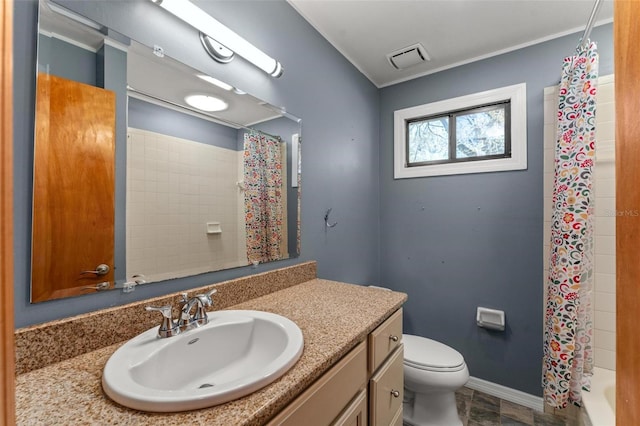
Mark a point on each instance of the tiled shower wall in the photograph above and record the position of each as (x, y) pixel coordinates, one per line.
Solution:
(170, 202)
(605, 214)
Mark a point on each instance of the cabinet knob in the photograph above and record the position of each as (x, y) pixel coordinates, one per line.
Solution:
(395, 393)
(393, 338)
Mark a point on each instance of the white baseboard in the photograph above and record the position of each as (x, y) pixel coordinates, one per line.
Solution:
(508, 394)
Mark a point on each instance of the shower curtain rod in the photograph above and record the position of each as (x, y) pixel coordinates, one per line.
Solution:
(592, 19)
(211, 117)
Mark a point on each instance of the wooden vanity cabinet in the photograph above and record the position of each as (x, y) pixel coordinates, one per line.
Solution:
(384, 340)
(332, 394)
(364, 388)
(386, 383)
(386, 391)
(356, 412)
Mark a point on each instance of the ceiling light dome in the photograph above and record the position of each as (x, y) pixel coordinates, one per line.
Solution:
(206, 103)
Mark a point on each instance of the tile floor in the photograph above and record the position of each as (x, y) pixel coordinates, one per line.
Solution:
(480, 409)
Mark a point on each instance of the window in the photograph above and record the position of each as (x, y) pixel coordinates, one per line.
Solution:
(483, 132)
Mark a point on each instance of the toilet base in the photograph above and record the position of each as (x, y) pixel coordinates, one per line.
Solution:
(431, 409)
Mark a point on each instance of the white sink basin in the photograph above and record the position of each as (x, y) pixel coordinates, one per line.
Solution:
(235, 354)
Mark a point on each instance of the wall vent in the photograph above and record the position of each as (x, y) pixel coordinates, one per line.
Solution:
(408, 56)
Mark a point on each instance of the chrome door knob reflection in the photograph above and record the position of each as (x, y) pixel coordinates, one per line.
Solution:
(101, 269)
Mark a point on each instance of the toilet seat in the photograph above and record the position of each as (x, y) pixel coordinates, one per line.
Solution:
(429, 355)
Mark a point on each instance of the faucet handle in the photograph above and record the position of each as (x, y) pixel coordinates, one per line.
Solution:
(206, 297)
(205, 300)
(167, 327)
(183, 299)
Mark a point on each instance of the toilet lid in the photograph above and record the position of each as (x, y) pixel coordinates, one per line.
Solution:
(427, 354)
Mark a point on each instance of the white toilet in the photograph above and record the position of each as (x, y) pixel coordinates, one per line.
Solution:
(433, 372)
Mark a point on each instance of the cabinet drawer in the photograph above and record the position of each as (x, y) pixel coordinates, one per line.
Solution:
(325, 399)
(384, 339)
(386, 389)
(356, 413)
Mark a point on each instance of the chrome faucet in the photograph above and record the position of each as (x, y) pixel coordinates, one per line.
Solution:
(200, 301)
(186, 321)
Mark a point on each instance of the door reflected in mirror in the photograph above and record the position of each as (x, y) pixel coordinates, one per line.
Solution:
(191, 191)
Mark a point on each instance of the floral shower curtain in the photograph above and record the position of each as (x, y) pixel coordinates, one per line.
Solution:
(263, 197)
(568, 357)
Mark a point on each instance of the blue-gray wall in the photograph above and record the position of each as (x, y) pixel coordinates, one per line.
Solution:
(147, 116)
(339, 108)
(66, 60)
(111, 73)
(457, 242)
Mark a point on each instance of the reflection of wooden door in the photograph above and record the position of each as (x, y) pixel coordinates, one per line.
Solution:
(627, 66)
(73, 194)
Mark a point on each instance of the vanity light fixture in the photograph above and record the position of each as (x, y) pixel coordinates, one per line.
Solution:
(206, 103)
(215, 82)
(203, 22)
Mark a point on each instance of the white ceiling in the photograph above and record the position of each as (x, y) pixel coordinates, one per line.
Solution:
(453, 32)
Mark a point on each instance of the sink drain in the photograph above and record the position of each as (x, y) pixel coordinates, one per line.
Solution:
(206, 385)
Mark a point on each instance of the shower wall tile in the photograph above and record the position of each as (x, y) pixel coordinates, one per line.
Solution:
(604, 339)
(605, 225)
(605, 264)
(605, 283)
(169, 204)
(605, 321)
(605, 188)
(550, 130)
(605, 215)
(606, 89)
(605, 358)
(605, 302)
(605, 244)
(605, 173)
(605, 130)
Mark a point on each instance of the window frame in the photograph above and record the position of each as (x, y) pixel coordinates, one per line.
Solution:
(515, 123)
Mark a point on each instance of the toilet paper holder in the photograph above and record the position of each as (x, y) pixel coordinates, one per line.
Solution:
(491, 319)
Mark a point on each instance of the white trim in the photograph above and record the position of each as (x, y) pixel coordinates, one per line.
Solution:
(73, 15)
(508, 394)
(178, 108)
(517, 94)
(116, 45)
(68, 40)
(295, 142)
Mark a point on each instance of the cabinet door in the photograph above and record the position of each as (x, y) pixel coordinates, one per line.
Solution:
(356, 413)
(384, 340)
(323, 401)
(386, 389)
(397, 420)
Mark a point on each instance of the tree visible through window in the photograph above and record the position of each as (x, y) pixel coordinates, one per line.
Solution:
(471, 134)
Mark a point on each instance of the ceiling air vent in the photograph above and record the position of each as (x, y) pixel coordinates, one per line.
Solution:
(408, 56)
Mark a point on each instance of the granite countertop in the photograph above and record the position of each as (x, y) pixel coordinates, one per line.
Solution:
(334, 317)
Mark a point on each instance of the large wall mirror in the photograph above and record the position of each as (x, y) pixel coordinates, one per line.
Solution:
(134, 181)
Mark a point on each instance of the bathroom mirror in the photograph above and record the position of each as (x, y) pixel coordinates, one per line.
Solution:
(133, 184)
